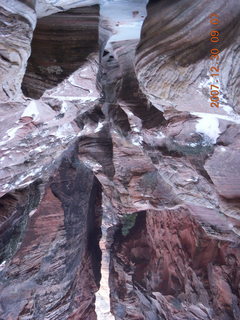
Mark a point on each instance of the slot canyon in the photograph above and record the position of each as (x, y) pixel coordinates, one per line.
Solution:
(119, 183)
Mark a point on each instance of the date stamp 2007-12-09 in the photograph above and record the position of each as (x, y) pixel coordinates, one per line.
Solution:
(214, 56)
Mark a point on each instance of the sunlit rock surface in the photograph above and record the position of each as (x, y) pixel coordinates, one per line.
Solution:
(47, 7)
(114, 130)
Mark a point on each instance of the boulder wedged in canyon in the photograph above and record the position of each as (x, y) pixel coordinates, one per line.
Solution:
(123, 139)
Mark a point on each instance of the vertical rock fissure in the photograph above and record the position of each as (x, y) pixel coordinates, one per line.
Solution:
(103, 303)
(94, 221)
(111, 78)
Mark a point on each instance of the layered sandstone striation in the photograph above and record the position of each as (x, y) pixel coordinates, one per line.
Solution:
(51, 242)
(61, 44)
(116, 132)
(172, 65)
(18, 20)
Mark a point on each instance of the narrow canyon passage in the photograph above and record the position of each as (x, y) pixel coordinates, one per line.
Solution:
(119, 184)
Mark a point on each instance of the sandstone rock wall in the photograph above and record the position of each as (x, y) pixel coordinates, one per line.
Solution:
(52, 242)
(120, 135)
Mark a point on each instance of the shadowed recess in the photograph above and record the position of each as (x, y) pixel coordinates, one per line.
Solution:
(61, 44)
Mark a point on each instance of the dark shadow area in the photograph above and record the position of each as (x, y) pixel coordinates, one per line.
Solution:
(14, 209)
(94, 222)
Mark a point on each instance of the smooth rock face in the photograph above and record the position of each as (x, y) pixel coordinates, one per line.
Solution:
(120, 135)
(226, 178)
(173, 56)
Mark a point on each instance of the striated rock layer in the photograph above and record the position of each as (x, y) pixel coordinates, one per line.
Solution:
(61, 44)
(18, 21)
(52, 240)
(173, 64)
(134, 126)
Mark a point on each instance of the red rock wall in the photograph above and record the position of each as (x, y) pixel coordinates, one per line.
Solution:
(167, 267)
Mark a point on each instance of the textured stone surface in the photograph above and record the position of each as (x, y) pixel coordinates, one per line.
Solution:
(132, 121)
(167, 267)
(173, 65)
(48, 7)
(18, 20)
(57, 247)
(30, 128)
(61, 44)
